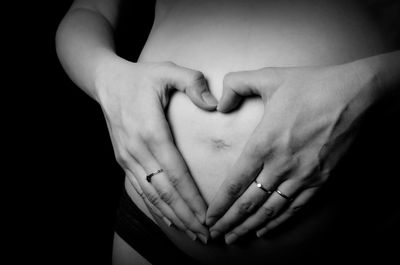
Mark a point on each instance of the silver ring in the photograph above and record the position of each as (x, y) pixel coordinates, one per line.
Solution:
(259, 185)
(149, 176)
(283, 195)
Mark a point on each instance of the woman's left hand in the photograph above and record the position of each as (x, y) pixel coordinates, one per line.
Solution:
(309, 121)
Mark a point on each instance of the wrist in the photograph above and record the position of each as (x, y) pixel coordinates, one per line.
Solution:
(103, 73)
(382, 71)
(369, 77)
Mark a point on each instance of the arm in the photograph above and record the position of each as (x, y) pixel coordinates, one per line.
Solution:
(133, 97)
(84, 41)
(385, 70)
(310, 118)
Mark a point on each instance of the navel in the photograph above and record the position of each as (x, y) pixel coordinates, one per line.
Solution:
(219, 144)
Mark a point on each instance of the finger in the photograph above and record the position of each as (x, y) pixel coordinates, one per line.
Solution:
(139, 191)
(237, 181)
(296, 206)
(258, 150)
(269, 178)
(193, 83)
(151, 196)
(162, 147)
(236, 85)
(242, 208)
(271, 208)
(167, 192)
(179, 176)
(158, 212)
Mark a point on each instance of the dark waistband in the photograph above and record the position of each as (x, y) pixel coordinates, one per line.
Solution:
(142, 234)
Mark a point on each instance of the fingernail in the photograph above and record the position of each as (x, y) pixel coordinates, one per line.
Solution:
(209, 98)
(167, 221)
(191, 235)
(261, 232)
(201, 218)
(215, 234)
(230, 238)
(203, 238)
(211, 221)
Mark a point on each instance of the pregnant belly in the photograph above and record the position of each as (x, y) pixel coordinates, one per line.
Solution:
(210, 142)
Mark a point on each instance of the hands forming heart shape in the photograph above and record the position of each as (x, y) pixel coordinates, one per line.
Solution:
(310, 119)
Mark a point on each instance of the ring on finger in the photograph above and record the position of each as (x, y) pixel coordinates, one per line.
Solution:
(283, 195)
(259, 185)
(149, 176)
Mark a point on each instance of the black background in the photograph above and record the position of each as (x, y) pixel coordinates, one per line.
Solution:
(64, 200)
(67, 182)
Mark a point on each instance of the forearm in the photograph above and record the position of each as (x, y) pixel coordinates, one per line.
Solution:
(84, 42)
(383, 71)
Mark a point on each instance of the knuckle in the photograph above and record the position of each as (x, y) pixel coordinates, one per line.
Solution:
(197, 75)
(324, 175)
(291, 141)
(168, 197)
(233, 190)
(196, 80)
(260, 152)
(284, 166)
(228, 79)
(267, 211)
(283, 144)
(122, 158)
(177, 176)
(246, 207)
(295, 143)
(132, 147)
(153, 199)
(286, 140)
(311, 177)
(119, 158)
(141, 194)
(175, 180)
(152, 133)
(295, 209)
(267, 143)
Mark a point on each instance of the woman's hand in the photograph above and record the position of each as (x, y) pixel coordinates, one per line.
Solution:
(133, 98)
(309, 121)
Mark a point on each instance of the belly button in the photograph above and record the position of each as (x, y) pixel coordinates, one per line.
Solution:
(219, 144)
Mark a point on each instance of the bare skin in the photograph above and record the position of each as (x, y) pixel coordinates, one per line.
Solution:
(133, 98)
(279, 51)
(292, 153)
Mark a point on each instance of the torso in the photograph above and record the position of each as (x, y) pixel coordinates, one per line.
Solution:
(216, 37)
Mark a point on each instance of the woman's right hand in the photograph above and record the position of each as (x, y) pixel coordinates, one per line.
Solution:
(133, 97)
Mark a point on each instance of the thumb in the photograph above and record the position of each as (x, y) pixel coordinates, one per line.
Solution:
(237, 85)
(193, 84)
(199, 93)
